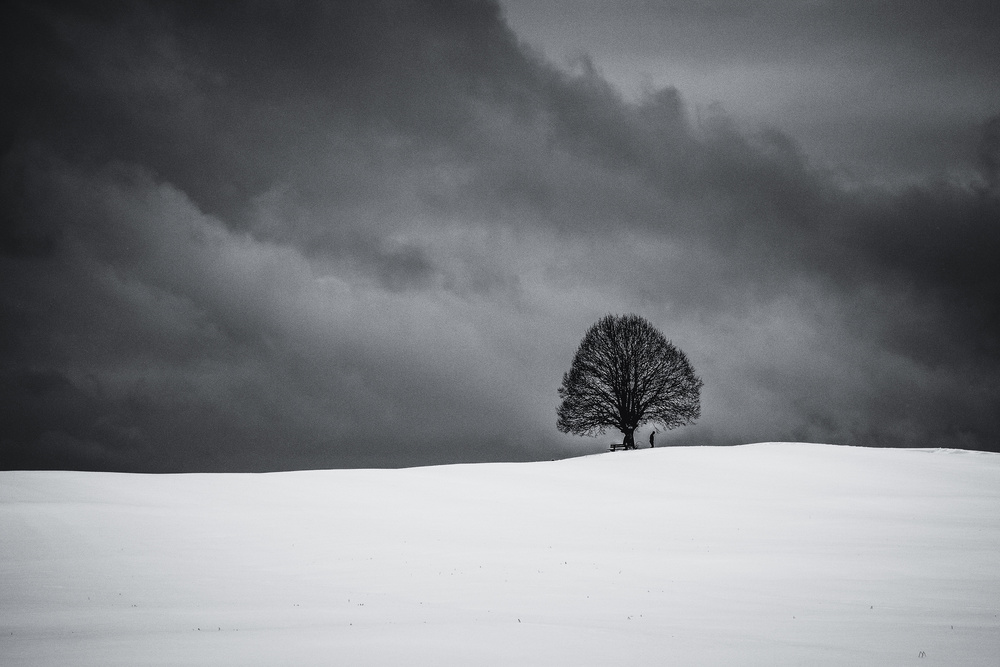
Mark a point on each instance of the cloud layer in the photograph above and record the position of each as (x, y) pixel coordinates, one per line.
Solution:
(339, 234)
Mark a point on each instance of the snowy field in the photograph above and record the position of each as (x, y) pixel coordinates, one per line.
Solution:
(769, 554)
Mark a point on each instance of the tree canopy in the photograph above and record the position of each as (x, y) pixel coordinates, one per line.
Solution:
(624, 374)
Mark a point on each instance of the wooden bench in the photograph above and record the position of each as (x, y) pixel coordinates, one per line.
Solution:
(617, 445)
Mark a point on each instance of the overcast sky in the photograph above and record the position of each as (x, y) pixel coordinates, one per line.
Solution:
(282, 235)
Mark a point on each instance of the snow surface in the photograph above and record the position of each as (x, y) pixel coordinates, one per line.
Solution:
(770, 554)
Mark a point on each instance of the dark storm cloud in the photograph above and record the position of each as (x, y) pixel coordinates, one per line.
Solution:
(193, 90)
(315, 234)
(835, 74)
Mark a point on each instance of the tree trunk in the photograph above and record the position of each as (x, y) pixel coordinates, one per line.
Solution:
(629, 440)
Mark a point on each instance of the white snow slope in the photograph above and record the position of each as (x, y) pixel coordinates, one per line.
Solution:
(769, 554)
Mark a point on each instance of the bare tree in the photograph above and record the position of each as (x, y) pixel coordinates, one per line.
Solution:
(625, 374)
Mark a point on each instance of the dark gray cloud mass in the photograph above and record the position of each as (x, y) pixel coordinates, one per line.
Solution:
(893, 87)
(279, 235)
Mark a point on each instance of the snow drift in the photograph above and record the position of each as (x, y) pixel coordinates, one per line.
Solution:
(768, 554)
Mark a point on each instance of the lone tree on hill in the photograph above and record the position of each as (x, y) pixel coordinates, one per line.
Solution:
(625, 374)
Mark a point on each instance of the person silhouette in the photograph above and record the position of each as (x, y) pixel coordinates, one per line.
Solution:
(651, 435)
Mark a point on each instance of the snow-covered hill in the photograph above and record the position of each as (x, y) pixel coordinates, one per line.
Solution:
(768, 554)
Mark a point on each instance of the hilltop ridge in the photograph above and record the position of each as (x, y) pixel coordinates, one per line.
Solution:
(776, 553)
